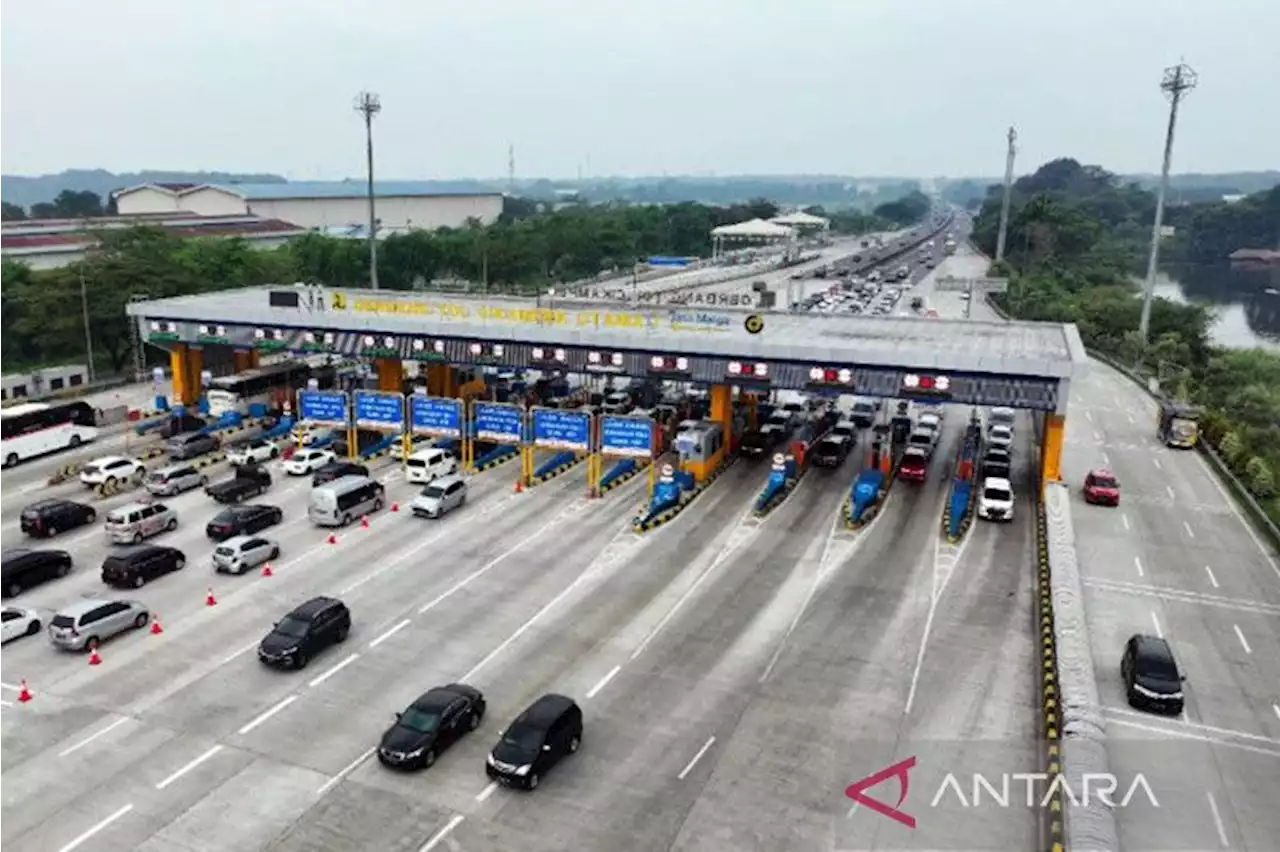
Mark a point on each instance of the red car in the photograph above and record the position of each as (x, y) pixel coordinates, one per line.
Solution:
(914, 465)
(1102, 488)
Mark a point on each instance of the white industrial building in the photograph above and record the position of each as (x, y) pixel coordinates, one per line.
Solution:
(401, 206)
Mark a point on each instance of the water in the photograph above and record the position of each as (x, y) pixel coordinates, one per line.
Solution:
(1246, 315)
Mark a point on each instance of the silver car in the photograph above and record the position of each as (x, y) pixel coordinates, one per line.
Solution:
(174, 479)
(440, 497)
(243, 552)
(87, 623)
(133, 522)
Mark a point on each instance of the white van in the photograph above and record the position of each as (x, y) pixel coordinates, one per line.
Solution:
(340, 502)
(426, 465)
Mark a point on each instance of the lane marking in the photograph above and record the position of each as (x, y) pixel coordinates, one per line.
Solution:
(84, 742)
(1130, 416)
(1188, 735)
(321, 678)
(1156, 621)
(1172, 494)
(345, 771)
(1244, 643)
(689, 767)
(1138, 564)
(267, 714)
(1212, 579)
(5, 703)
(1187, 526)
(591, 693)
(190, 766)
(484, 794)
(1276, 707)
(1217, 821)
(1183, 596)
(1106, 459)
(246, 649)
(1097, 436)
(12, 686)
(392, 632)
(1231, 504)
(481, 571)
(442, 833)
(1088, 415)
(1156, 461)
(75, 844)
(1199, 726)
(1125, 519)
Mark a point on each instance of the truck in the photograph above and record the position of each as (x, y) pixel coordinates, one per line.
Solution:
(949, 247)
(1179, 424)
(248, 480)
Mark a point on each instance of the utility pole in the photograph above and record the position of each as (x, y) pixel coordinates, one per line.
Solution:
(368, 105)
(1177, 81)
(1008, 194)
(84, 309)
(511, 170)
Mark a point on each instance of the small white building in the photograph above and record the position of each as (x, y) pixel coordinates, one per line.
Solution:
(400, 206)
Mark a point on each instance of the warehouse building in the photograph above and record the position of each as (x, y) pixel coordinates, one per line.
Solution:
(325, 205)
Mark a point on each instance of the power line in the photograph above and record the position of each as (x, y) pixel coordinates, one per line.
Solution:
(369, 105)
(1176, 82)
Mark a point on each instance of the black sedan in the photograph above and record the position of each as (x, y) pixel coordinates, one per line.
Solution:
(432, 723)
(242, 520)
(23, 568)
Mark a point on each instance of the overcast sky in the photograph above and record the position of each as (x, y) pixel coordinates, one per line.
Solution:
(634, 87)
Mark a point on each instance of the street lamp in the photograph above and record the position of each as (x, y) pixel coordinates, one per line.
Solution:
(369, 105)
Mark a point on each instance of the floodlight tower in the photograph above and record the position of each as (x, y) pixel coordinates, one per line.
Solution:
(368, 105)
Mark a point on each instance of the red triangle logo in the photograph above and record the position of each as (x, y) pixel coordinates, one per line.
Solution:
(857, 791)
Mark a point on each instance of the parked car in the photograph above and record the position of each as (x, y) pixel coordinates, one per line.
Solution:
(47, 518)
(188, 445)
(1101, 487)
(307, 630)
(1150, 673)
(111, 470)
(174, 479)
(242, 520)
(247, 481)
(242, 553)
(549, 730)
(434, 721)
(16, 622)
(440, 497)
(253, 451)
(21, 568)
(141, 565)
(132, 522)
(307, 461)
(87, 623)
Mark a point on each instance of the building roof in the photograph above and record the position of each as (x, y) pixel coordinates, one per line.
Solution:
(800, 218)
(349, 189)
(32, 236)
(752, 228)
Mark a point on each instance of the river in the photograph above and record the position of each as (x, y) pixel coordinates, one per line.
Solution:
(1246, 314)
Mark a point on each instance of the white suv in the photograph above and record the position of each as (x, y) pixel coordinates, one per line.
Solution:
(111, 469)
(995, 503)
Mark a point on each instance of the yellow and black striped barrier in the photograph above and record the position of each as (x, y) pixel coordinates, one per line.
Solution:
(555, 471)
(64, 473)
(117, 486)
(498, 462)
(663, 517)
(640, 468)
(1050, 698)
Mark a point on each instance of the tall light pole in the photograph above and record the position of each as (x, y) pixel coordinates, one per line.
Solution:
(368, 105)
(1008, 194)
(1177, 81)
(84, 309)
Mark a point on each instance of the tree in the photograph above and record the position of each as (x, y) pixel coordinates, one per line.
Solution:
(12, 212)
(69, 205)
(907, 210)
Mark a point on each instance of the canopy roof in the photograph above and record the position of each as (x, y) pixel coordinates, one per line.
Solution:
(801, 218)
(752, 228)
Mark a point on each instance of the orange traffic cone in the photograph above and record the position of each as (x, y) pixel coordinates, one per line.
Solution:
(333, 539)
(364, 523)
(209, 599)
(266, 570)
(94, 658)
(519, 486)
(24, 694)
(156, 629)
(395, 507)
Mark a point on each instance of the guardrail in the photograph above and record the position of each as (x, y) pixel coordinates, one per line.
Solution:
(1049, 722)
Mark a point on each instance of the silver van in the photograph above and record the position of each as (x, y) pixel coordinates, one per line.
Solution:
(340, 502)
(84, 624)
(440, 497)
(174, 479)
(239, 554)
(133, 522)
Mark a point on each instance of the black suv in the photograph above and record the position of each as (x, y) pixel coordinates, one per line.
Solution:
(141, 565)
(428, 726)
(831, 452)
(310, 628)
(22, 568)
(547, 731)
(336, 470)
(49, 517)
(998, 463)
(242, 520)
(1150, 673)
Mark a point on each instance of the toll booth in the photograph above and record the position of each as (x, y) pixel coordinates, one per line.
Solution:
(700, 446)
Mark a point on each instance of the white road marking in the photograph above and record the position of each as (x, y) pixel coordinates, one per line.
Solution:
(1106, 459)
(4, 703)
(1173, 495)
(347, 770)
(12, 686)
(1125, 519)
(392, 632)
(321, 678)
(1276, 707)
(1183, 596)
(1155, 460)
(1187, 525)
(1212, 579)
(442, 833)
(75, 844)
(267, 714)
(1137, 563)
(1244, 643)
(689, 767)
(479, 572)
(1088, 415)
(1199, 726)
(246, 649)
(190, 766)
(1156, 621)
(1097, 436)
(1189, 735)
(1130, 416)
(1231, 504)
(484, 794)
(603, 682)
(1217, 821)
(84, 742)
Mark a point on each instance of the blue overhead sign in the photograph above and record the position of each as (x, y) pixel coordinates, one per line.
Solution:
(326, 408)
(380, 409)
(555, 428)
(497, 421)
(434, 415)
(626, 436)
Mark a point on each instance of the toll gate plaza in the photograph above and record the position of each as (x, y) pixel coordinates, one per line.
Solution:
(1027, 365)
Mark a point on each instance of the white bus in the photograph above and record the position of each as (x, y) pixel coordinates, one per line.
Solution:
(270, 384)
(35, 429)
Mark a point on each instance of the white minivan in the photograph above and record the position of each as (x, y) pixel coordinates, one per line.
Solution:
(429, 464)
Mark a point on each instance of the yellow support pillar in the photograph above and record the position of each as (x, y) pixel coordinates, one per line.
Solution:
(390, 374)
(180, 372)
(1055, 430)
(195, 366)
(441, 380)
(721, 398)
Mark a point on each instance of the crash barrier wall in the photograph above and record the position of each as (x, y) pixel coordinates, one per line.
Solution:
(499, 455)
(873, 506)
(957, 514)
(1050, 724)
(1082, 730)
(623, 471)
(555, 465)
(643, 522)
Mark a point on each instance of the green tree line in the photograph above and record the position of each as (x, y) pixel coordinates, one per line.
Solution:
(1076, 237)
(69, 204)
(1209, 232)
